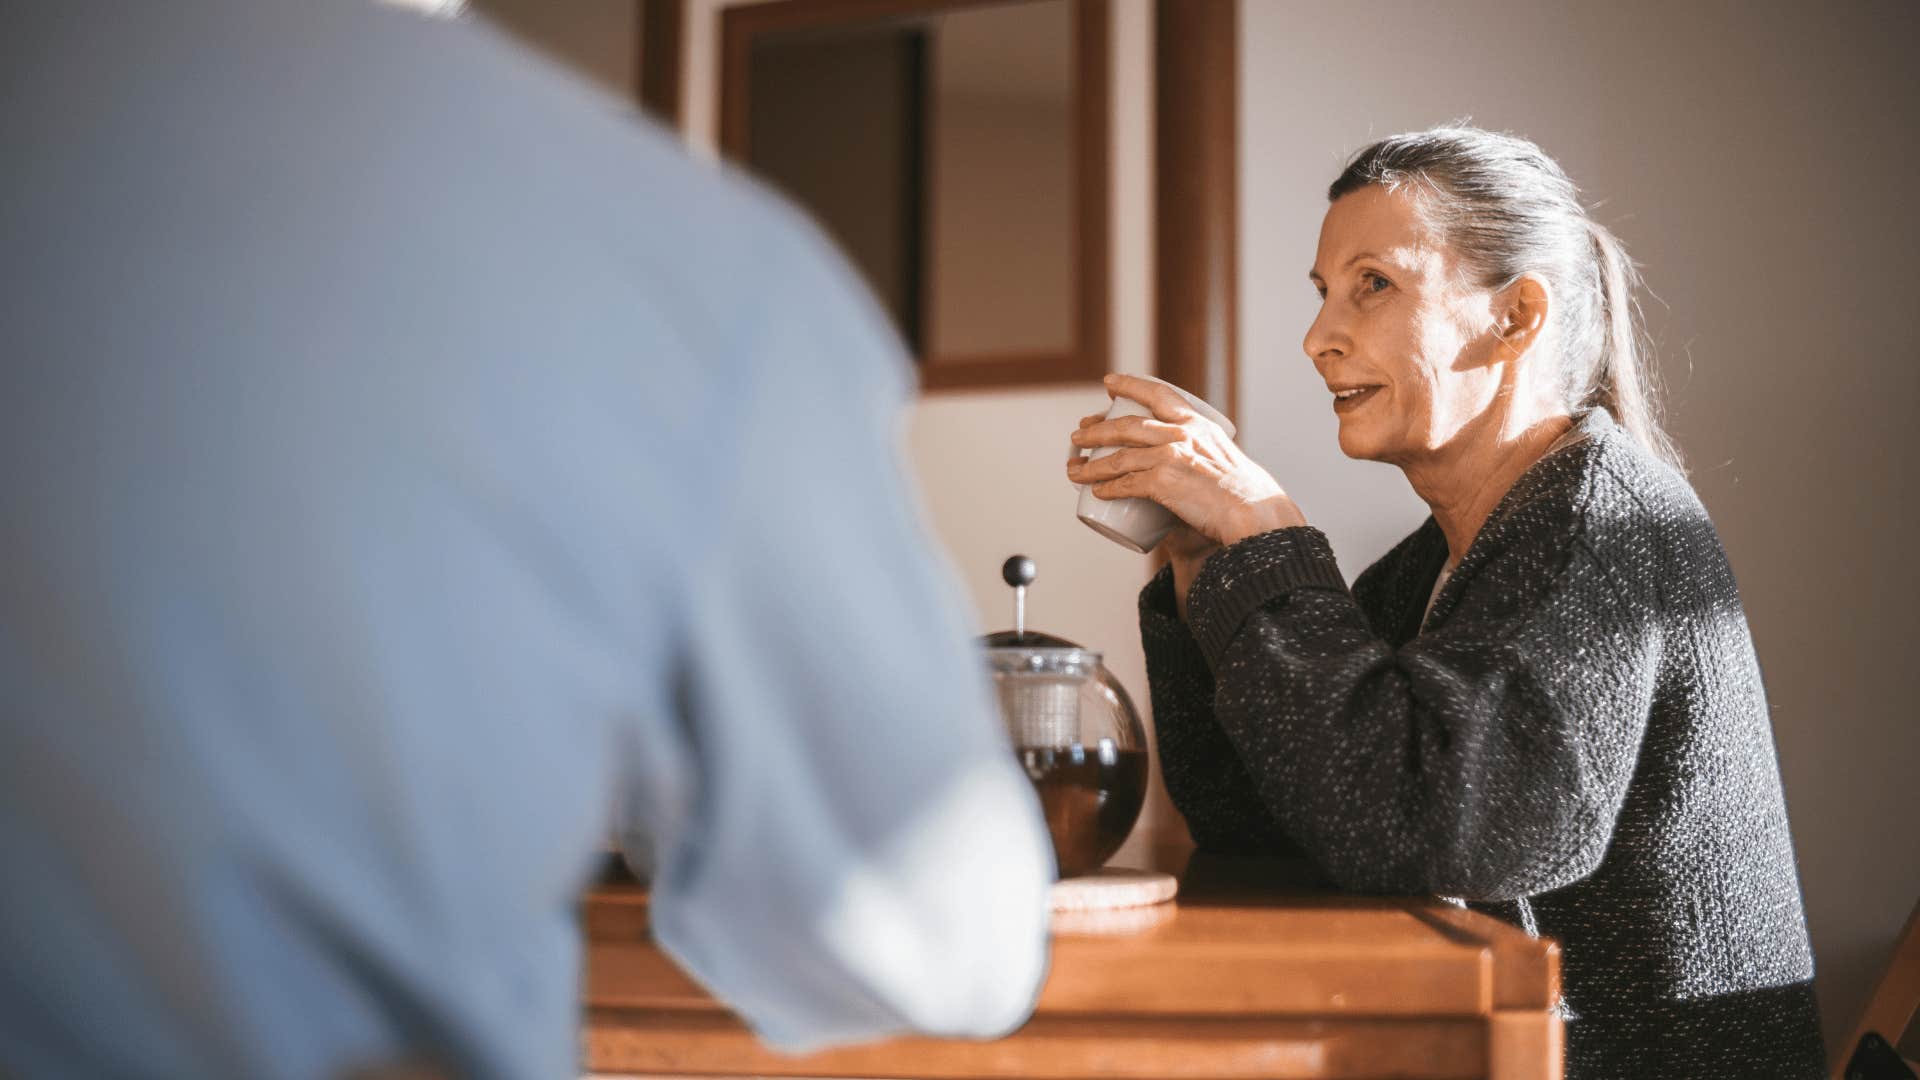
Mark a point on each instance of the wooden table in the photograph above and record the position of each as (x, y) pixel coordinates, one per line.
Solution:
(1254, 973)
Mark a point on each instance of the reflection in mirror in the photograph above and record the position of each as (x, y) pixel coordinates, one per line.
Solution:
(836, 124)
(1000, 264)
(941, 149)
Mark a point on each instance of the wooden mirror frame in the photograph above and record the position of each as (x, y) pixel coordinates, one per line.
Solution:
(1088, 358)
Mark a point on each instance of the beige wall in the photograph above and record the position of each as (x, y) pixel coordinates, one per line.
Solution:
(1760, 161)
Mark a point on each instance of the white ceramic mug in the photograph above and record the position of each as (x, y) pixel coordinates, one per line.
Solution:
(1138, 524)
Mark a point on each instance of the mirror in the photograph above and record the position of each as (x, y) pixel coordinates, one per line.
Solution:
(956, 151)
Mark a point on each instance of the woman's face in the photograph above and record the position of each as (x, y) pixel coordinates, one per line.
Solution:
(1404, 340)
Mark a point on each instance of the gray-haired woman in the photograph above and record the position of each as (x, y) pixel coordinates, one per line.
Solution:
(1545, 700)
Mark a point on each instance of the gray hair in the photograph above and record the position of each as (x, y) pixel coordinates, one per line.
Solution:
(1506, 209)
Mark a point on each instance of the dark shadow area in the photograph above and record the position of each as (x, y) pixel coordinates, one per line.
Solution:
(1687, 1038)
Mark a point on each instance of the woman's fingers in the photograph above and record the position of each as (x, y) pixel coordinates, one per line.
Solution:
(1096, 431)
(1128, 431)
(1118, 463)
(1134, 485)
(1074, 450)
(1165, 402)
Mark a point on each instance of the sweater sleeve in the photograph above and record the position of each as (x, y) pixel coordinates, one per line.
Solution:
(1204, 775)
(1486, 758)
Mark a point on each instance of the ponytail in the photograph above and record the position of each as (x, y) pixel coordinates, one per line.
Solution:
(1621, 379)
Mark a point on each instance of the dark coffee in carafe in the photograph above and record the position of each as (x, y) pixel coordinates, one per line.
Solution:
(1091, 796)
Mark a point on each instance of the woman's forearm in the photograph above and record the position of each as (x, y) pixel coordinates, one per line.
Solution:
(1204, 776)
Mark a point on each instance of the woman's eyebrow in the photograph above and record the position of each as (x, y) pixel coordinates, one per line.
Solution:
(1314, 275)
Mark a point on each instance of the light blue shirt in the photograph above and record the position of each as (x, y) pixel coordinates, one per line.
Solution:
(402, 450)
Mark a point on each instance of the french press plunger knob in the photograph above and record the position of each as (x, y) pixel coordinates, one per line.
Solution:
(1019, 572)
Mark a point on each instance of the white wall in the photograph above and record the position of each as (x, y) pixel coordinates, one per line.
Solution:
(1760, 160)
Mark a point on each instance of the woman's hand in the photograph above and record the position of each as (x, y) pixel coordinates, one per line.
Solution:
(1184, 462)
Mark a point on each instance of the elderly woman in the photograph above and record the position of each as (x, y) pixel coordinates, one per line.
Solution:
(1544, 702)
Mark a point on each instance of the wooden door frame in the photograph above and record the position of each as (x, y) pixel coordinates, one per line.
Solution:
(1196, 219)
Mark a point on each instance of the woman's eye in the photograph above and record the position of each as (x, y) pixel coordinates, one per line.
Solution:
(1374, 282)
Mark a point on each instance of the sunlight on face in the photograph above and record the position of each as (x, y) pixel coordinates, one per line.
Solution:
(1403, 337)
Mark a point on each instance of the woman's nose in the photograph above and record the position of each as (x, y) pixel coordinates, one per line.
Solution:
(1326, 340)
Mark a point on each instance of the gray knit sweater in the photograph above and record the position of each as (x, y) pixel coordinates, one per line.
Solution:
(1576, 740)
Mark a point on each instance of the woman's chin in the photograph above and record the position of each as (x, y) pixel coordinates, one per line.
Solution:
(1374, 432)
(1359, 443)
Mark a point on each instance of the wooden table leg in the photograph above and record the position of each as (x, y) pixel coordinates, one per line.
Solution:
(1525, 1046)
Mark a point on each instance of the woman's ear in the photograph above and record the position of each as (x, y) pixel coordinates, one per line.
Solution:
(1520, 313)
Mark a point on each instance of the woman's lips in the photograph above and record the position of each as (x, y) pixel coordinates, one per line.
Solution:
(1347, 402)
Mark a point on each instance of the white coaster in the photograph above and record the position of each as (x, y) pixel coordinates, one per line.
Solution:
(1113, 922)
(1114, 887)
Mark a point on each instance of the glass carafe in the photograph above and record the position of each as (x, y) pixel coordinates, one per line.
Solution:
(1081, 741)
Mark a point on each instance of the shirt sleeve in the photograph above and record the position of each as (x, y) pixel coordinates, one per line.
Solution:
(859, 853)
(1487, 758)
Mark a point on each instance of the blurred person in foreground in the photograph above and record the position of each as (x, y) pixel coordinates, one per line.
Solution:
(402, 450)
(1544, 702)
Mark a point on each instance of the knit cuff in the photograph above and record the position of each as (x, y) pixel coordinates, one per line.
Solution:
(1163, 634)
(1242, 579)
